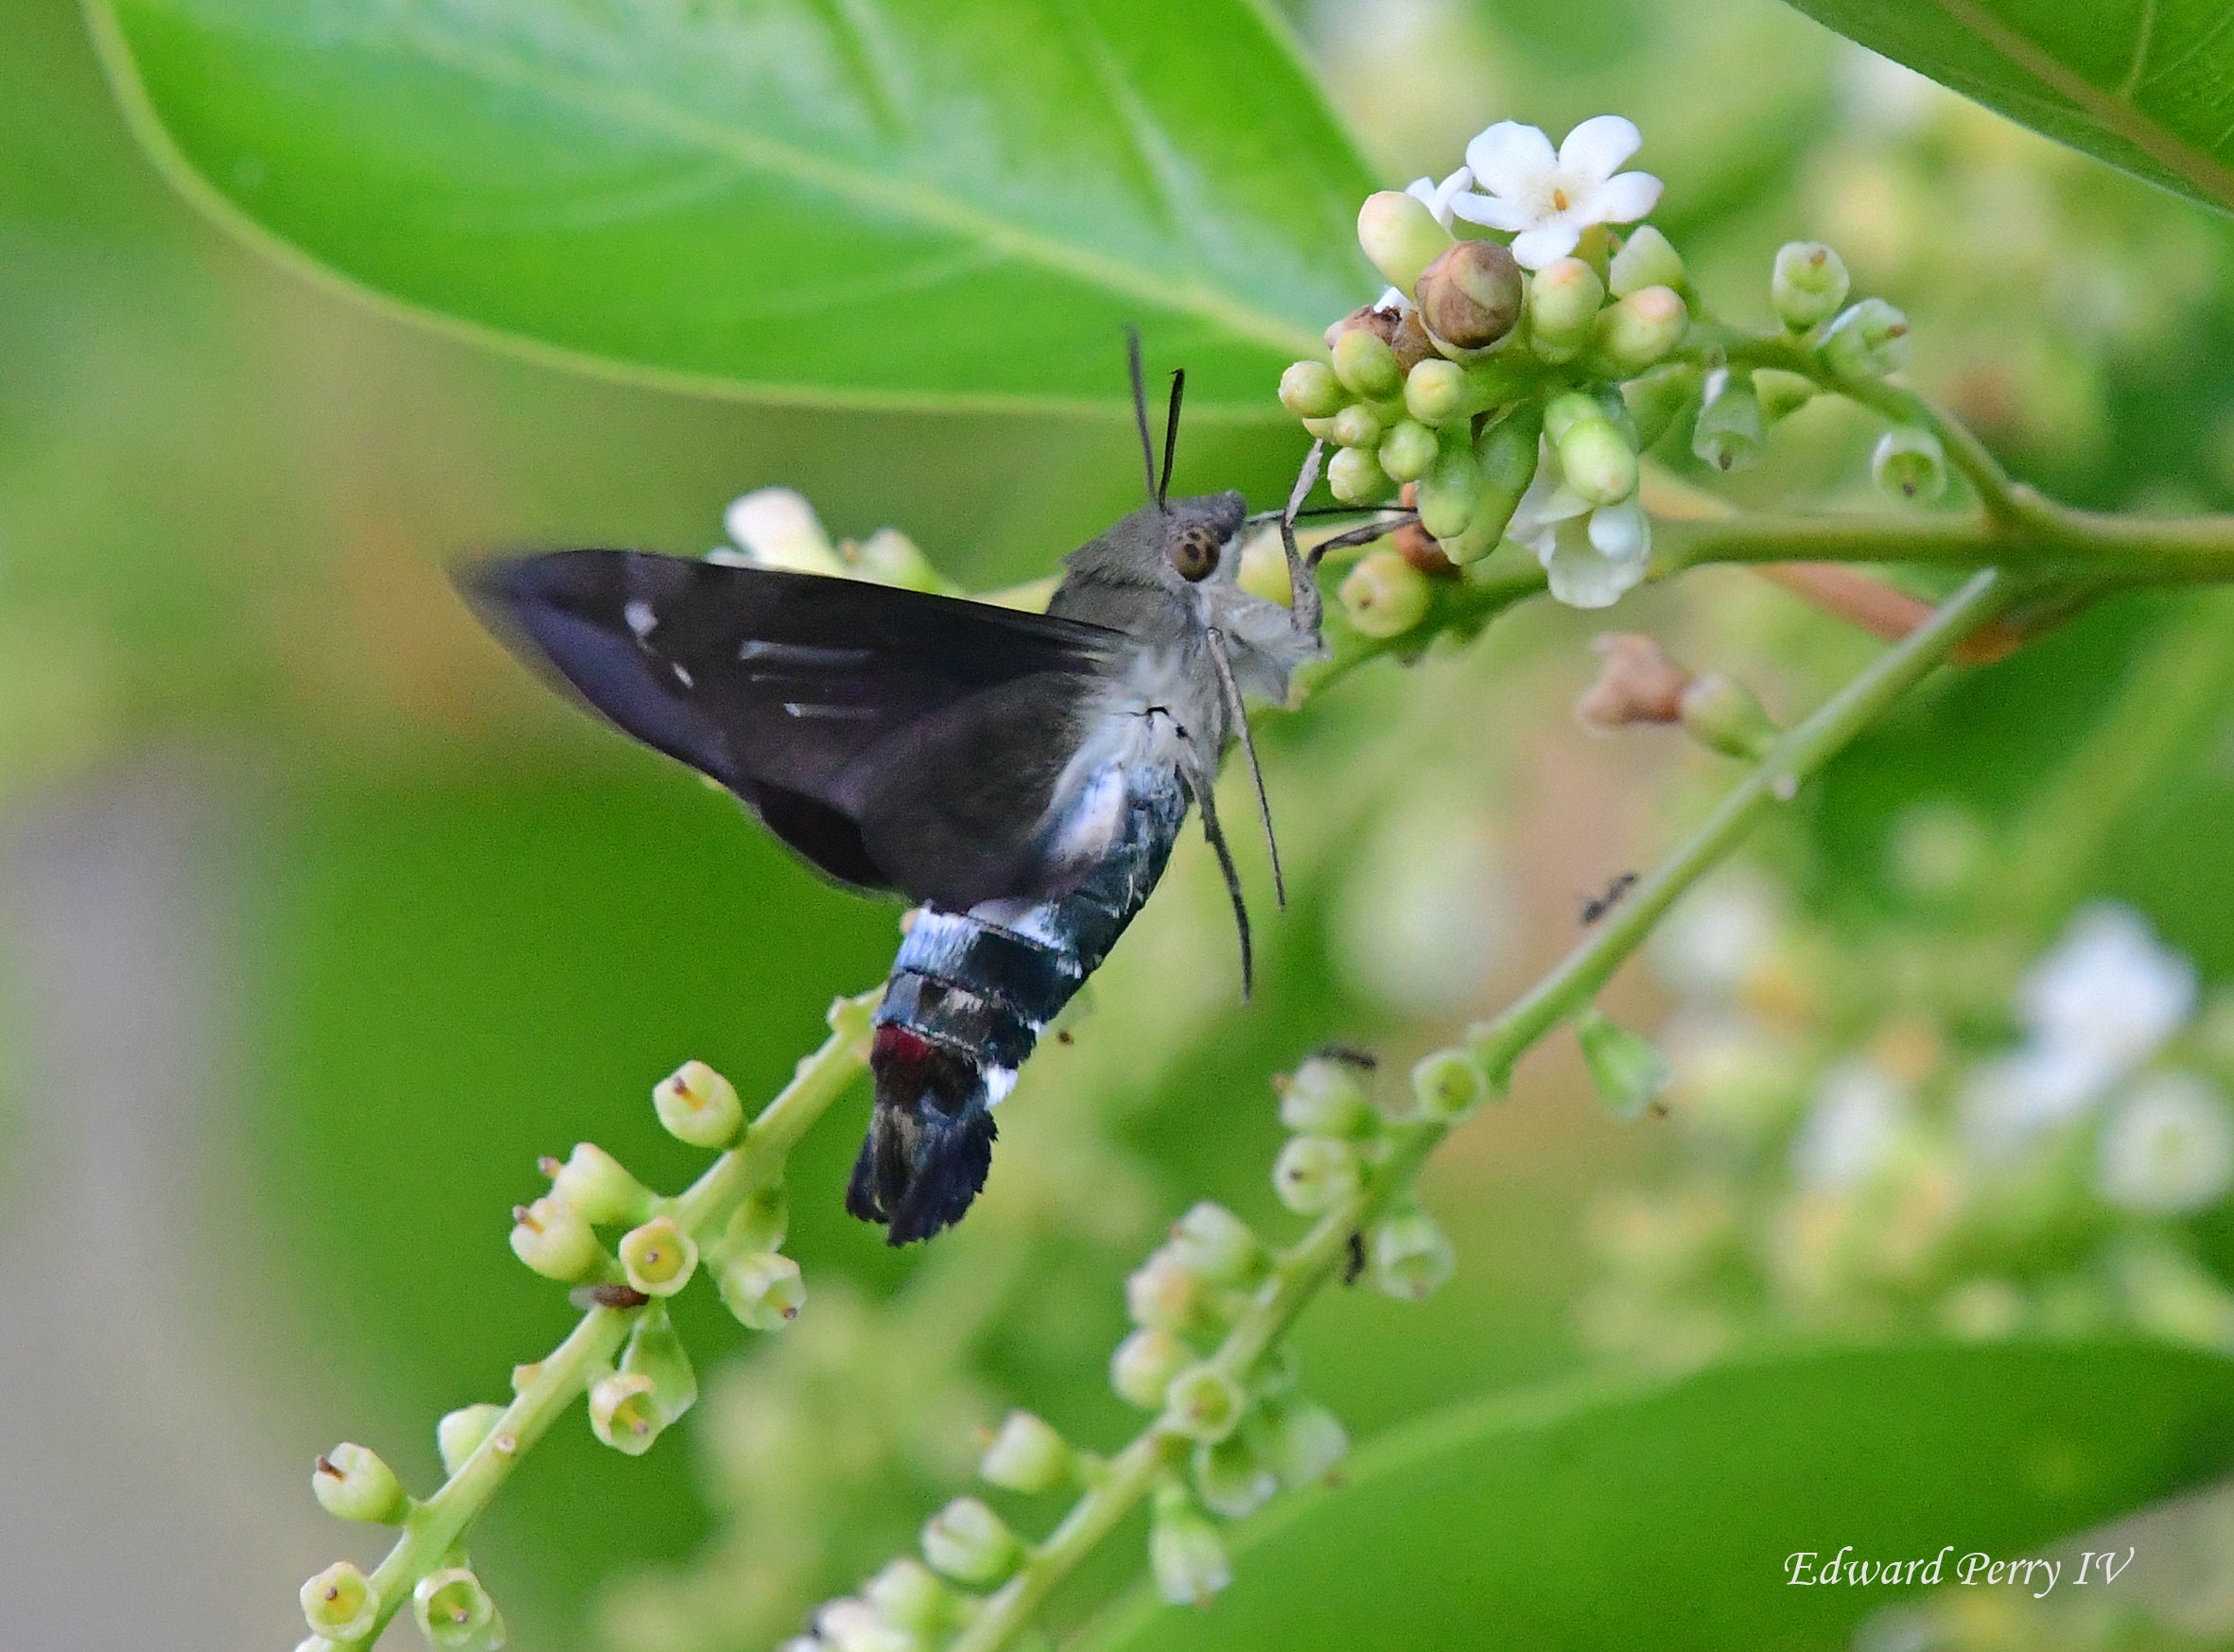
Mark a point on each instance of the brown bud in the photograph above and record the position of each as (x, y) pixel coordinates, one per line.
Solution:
(1471, 296)
(1637, 683)
(1418, 546)
(1411, 343)
(1380, 321)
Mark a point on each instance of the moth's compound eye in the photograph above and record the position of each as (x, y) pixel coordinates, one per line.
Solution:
(1194, 552)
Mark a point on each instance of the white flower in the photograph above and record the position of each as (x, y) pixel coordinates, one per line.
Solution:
(1591, 556)
(2096, 1006)
(2108, 995)
(1547, 200)
(776, 528)
(2167, 1147)
(1859, 1117)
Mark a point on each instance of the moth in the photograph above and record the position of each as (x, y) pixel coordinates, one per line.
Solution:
(1020, 778)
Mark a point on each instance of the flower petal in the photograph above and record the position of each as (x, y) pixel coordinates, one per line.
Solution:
(1580, 575)
(1622, 533)
(1545, 244)
(1491, 211)
(1510, 158)
(1597, 146)
(1624, 199)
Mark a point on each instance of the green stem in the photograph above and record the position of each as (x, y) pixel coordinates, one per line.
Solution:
(2138, 552)
(1319, 1257)
(434, 1526)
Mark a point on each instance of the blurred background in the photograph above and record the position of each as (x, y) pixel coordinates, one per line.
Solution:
(318, 921)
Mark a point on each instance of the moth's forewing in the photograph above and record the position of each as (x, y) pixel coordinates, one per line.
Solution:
(896, 739)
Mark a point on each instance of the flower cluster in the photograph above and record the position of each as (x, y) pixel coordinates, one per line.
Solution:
(1879, 1153)
(1230, 1428)
(1527, 352)
(632, 1397)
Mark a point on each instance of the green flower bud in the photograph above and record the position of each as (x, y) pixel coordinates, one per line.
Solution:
(459, 1434)
(1400, 235)
(1723, 715)
(854, 1625)
(1326, 1097)
(551, 1237)
(1630, 1073)
(1366, 364)
(910, 1596)
(355, 1483)
(1867, 341)
(1358, 425)
(1563, 303)
(1505, 460)
(1637, 332)
(1313, 1173)
(1027, 1455)
(1597, 462)
(656, 1350)
(624, 1412)
(1184, 1553)
(1908, 463)
(1562, 412)
(1203, 1403)
(1214, 1243)
(1780, 393)
(1412, 1255)
(1453, 487)
(1384, 595)
(759, 1223)
(1656, 399)
(659, 1258)
(1309, 389)
(891, 558)
(1434, 392)
(764, 1289)
(1647, 259)
(1230, 1478)
(595, 1183)
(1355, 477)
(1448, 1085)
(1471, 296)
(1408, 450)
(339, 1603)
(698, 1106)
(1165, 1294)
(455, 1612)
(1728, 435)
(1141, 1368)
(1807, 285)
(968, 1543)
(1301, 1440)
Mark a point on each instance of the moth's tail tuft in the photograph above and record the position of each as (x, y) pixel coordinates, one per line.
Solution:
(929, 1141)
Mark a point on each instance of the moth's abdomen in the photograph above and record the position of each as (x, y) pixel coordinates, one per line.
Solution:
(969, 995)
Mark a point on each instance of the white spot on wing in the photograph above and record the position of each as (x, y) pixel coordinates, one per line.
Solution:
(854, 713)
(640, 618)
(683, 675)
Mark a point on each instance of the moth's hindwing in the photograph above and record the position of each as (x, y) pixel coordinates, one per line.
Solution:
(896, 739)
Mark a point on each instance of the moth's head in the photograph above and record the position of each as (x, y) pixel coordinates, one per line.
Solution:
(1189, 541)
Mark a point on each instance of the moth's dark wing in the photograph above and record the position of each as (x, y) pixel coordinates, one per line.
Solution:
(897, 741)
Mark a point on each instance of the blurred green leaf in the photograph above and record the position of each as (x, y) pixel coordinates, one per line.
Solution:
(2147, 85)
(927, 203)
(1570, 1518)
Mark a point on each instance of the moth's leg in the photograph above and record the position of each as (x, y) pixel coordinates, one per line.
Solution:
(1304, 604)
(1239, 713)
(1200, 788)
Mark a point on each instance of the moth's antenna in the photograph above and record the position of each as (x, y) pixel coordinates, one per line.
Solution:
(1139, 410)
(1248, 750)
(1217, 841)
(1171, 431)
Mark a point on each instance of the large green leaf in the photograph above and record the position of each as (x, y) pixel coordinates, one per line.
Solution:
(1601, 1516)
(884, 201)
(2146, 84)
